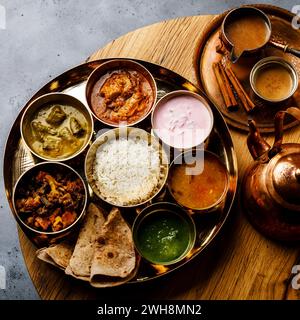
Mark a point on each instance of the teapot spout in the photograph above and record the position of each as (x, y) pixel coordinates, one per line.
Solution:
(256, 144)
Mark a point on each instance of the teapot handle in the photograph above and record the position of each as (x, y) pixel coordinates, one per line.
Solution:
(279, 118)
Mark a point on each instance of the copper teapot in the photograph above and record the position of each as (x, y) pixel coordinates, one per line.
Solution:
(271, 186)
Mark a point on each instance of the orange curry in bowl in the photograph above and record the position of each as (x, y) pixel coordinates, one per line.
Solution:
(122, 95)
(199, 185)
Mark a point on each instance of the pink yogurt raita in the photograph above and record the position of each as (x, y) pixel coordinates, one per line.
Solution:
(182, 121)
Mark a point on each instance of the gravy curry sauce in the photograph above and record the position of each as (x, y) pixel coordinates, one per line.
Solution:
(121, 96)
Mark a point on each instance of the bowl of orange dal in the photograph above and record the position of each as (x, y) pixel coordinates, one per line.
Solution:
(198, 180)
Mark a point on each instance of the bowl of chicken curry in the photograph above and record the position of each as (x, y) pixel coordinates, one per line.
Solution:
(121, 93)
(56, 127)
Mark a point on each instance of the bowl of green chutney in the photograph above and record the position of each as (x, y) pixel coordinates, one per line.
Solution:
(164, 233)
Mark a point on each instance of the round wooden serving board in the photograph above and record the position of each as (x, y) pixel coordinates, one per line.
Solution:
(240, 264)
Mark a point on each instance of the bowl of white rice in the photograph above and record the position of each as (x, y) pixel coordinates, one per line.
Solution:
(126, 167)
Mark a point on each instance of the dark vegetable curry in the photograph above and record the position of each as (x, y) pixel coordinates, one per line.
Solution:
(122, 96)
(58, 131)
(50, 202)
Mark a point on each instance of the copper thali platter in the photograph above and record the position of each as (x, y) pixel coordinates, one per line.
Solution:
(18, 159)
(283, 32)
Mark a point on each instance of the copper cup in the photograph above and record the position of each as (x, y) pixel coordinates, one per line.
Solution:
(237, 14)
(268, 62)
(247, 11)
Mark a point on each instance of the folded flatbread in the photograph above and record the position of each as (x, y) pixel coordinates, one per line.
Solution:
(114, 259)
(103, 254)
(80, 263)
(58, 255)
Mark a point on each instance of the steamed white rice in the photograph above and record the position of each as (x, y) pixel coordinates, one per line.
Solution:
(127, 171)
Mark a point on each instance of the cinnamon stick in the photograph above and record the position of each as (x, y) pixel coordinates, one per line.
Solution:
(228, 87)
(226, 97)
(241, 93)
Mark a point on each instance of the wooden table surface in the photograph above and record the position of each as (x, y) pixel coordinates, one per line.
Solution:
(240, 263)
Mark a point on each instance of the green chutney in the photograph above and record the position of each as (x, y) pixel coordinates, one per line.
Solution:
(163, 236)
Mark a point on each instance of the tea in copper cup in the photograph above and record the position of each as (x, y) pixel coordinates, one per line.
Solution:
(273, 80)
(246, 31)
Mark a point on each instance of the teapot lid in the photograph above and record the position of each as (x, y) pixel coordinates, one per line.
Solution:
(284, 182)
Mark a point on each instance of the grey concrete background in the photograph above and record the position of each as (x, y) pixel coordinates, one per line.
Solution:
(42, 39)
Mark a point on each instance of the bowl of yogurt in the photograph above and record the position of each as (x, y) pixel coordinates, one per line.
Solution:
(182, 119)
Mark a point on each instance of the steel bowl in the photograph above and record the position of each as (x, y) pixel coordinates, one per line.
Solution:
(110, 66)
(189, 156)
(179, 93)
(52, 236)
(116, 133)
(263, 63)
(169, 208)
(51, 98)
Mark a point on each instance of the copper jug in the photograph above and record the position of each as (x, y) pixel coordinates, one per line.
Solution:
(271, 185)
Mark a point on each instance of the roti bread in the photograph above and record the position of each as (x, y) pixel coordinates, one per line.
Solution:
(58, 255)
(103, 254)
(80, 262)
(114, 260)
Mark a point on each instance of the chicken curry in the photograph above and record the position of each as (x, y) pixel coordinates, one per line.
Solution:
(58, 131)
(122, 96)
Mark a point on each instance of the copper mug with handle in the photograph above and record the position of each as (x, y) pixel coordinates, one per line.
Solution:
(247, 11)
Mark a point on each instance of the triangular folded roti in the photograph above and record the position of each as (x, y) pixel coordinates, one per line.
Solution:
(99, 281)
(114, 260)
(80, 262)
(104, 252)
(58, 255)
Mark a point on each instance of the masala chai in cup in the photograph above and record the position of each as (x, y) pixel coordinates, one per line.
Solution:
(245, 30)
(273, 79)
